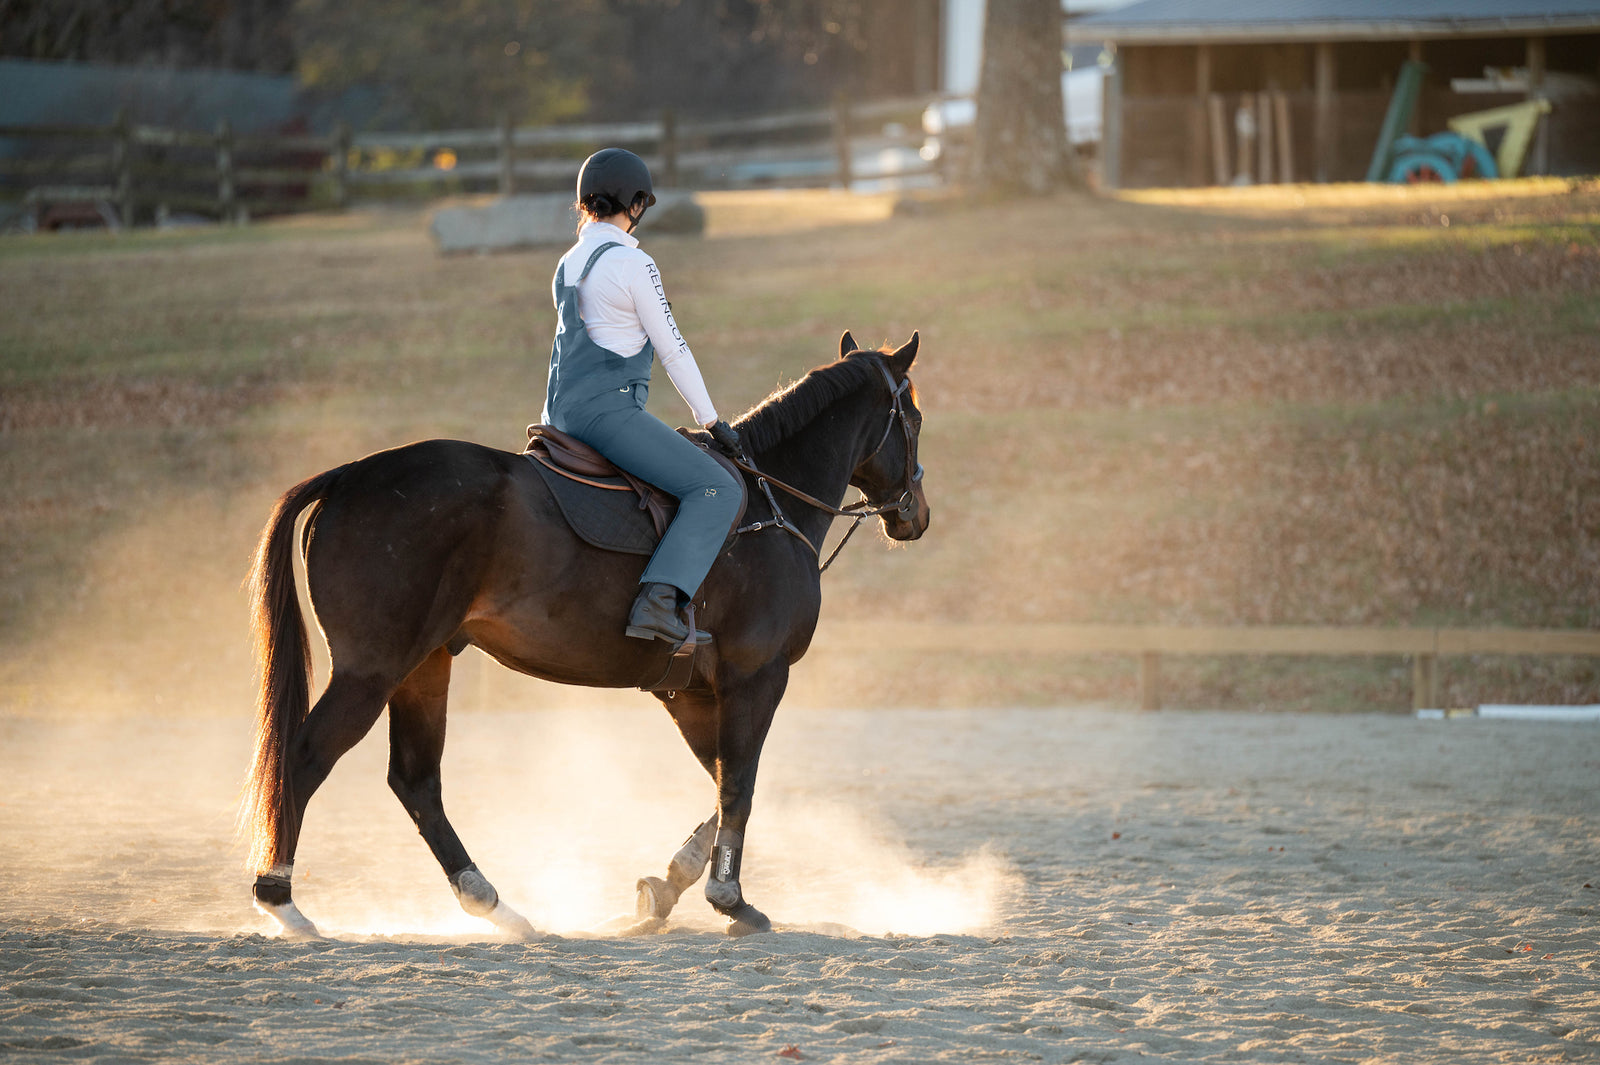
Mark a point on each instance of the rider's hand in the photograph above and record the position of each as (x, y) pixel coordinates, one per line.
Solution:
(727, 438)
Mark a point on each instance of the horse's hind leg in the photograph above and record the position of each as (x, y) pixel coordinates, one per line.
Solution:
(345, 712)
(416, 745)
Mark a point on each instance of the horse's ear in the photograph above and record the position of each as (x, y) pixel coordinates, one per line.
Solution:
(900, 361)
(847, 344)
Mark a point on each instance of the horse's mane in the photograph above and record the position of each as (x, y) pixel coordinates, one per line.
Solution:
(788, 410)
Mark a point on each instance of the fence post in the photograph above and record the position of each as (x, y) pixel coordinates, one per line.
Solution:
(1150, 681)
(841, 137)
(224, 171)
(1221, 172)
(1264, 154)
(1280, 109)
(669, 147)
(1424, 682)
(341, 164)
(508, 162)
(122, 167)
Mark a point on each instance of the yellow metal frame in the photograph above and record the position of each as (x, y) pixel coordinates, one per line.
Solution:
(1520, 121)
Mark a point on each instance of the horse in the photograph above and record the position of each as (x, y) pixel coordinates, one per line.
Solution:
(414, 553)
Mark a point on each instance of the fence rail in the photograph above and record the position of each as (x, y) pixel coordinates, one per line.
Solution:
(228, 175)
(1424, 646)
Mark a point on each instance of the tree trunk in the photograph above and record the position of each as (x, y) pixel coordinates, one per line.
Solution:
(1021, 134)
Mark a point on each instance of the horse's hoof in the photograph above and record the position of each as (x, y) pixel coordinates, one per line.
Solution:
(655, 898)
(292, 923)
(512, 923)
(746, 920)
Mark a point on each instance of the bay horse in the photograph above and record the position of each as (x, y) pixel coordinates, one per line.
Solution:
(414, 553)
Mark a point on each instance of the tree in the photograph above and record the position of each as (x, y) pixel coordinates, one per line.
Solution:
(225, 34)
(1020, 138)
(441, 64)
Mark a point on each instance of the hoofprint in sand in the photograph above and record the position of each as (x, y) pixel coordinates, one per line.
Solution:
(1055, 885)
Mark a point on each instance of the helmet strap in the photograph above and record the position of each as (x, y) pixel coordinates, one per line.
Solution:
(635, 219)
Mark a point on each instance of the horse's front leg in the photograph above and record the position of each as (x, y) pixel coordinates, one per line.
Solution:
(725, 731)
(744, 714)
(657, 897)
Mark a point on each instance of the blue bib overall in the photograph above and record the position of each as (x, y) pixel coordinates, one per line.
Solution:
(598, 396)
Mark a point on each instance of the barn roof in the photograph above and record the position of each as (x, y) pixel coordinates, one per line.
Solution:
(1190, 21)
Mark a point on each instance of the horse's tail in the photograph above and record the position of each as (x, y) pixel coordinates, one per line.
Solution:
(283, 664)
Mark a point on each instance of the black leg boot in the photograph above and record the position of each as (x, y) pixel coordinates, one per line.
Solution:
(654, 616)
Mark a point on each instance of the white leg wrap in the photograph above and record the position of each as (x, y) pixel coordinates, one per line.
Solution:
(294, 924)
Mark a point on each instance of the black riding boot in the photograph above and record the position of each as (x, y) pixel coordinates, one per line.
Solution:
(655, 616)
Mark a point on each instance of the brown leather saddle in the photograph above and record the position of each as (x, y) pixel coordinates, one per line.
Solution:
(576, 461)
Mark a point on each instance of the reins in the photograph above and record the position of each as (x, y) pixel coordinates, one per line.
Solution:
(861, 509)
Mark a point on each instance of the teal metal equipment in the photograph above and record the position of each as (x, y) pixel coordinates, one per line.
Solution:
(1443, 157)
(1401, 104)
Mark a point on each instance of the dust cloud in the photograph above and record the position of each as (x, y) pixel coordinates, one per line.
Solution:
(127, 822)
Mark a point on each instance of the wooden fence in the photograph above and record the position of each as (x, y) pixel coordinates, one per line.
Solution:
(142, 171)
(1424, 646)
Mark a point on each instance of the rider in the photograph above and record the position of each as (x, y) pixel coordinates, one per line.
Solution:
(614, 319)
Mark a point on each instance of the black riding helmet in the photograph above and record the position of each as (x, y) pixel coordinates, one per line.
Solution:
(613, 180)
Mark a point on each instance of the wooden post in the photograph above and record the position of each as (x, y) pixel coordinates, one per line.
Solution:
(225, 190)
(1541, 143)
(1220, 171)
(1111, 128)
(1424, 682)
(1280, 108)
(669, 148)
(341, 164)
(122, 167)
(508, 157)
(1325, 137)
(1263, 139)
(1150, 681)
(841, 138)
(1197, 115)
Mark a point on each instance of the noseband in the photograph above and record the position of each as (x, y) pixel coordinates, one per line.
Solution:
(897, 413)
(863, 508)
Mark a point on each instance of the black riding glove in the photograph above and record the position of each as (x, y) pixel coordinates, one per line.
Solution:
(727, 438)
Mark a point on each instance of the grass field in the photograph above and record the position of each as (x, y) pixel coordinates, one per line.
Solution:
(1305, 406)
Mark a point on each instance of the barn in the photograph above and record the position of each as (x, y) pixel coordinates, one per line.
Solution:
(1245, 91)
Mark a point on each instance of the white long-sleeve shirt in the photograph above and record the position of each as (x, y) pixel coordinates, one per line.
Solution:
(622, 303)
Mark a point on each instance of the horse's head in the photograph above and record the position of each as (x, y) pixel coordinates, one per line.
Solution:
(890, 472)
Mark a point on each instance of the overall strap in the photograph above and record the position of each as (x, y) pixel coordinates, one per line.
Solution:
(561, 271)
(596, 256)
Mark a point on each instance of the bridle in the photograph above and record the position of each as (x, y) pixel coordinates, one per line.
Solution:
(861, 509)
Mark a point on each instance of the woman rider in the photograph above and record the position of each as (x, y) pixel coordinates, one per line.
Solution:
(614, 320)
